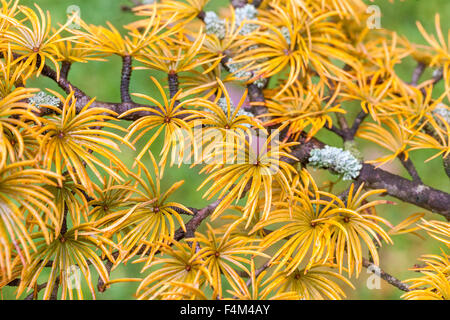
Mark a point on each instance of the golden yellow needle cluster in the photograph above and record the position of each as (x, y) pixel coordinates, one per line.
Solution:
(68, 203)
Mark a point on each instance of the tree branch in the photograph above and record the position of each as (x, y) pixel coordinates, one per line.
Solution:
(38, 288)
(101, 286)
(418, 71)
(356, 123)
(345, 132)
(172, 79)
(196, 220)
(83, 98)
(125, 78)
(374, 178)
(409, 166)
(438, 75)
(258, 272)
(336, 130)
(241, 3)
(65, 68)
(408, 191)
(385, 276)
(342, 121)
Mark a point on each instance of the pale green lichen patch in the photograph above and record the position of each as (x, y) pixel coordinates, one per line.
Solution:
(340, 161)
(242, 74)
(247, 12)
(286, 34)
(43, 99)
(443, 111)
(222, 103)
(214, 25)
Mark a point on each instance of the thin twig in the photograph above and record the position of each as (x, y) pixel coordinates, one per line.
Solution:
(418, 71)
(385, 276)
(125, 78)
(65, 68)
(357, 123)
(258, 272)
(342, 121)
(409, 166)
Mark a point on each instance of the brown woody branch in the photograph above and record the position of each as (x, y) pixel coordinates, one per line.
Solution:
(196, 220)
(258, 272)
(408, 191)
(241, 3)
(418, 71)
(336, 130)
(36, 290)
(83, 98)
(342, 121)
(65, 68)
(101, 286)
(202, 214)
(356, 124)
(255, 94)
(409, 166)
(346, 132)
(172, 79)
(385, 276)
(125, 79)
(438, 75)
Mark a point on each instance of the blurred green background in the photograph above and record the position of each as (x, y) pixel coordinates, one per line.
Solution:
(102, 80)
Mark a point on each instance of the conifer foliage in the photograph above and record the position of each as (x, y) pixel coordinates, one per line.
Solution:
(71, 210)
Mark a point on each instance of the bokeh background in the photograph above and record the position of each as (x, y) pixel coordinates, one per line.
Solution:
(102, 80)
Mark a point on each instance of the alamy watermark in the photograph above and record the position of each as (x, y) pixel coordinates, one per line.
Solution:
(374, 280)
(374, 20)
(72, 277)
(75, 12)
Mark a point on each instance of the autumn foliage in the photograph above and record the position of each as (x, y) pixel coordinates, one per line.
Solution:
(70, 206)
